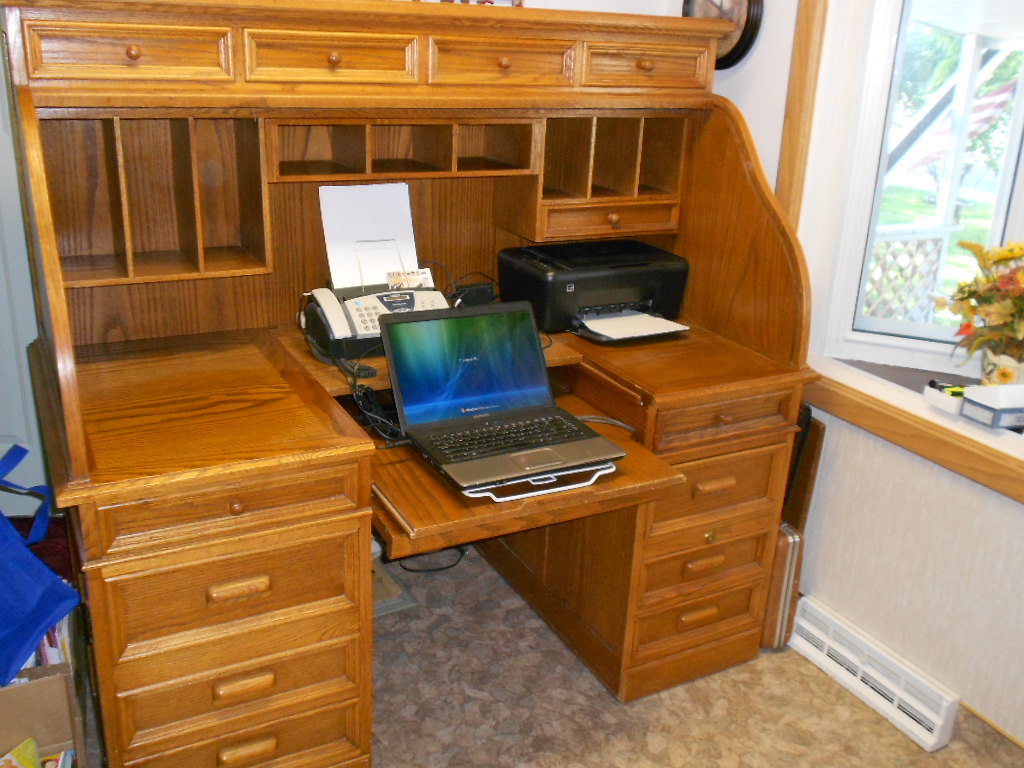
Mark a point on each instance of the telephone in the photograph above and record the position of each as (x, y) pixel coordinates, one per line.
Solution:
(347, 328)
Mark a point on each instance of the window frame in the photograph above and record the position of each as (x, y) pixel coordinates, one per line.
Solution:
(866, 75)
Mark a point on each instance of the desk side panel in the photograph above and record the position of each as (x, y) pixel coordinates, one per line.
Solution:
(747, 281)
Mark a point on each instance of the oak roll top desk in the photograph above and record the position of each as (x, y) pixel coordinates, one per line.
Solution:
(221, 499)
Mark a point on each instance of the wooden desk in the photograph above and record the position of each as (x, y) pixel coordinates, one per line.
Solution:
(172, 158)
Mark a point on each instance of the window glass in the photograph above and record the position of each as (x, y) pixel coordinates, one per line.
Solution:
(947, 167)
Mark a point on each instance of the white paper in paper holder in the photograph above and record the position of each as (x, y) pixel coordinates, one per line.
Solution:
(630, 324)
(368, 232)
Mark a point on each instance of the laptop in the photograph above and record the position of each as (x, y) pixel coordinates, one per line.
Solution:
(476, 377)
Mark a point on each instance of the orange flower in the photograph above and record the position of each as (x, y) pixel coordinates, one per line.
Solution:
(1005, 375)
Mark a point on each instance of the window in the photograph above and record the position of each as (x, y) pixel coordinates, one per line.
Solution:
(938, 164)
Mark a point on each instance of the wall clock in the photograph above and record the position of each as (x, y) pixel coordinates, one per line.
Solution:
(745, 14)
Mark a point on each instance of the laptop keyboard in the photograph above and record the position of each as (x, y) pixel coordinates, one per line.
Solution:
(479, 442)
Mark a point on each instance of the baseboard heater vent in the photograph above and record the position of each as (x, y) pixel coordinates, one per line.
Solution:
(922, 709)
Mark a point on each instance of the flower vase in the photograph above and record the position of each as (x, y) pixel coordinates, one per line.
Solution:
(1001, 369)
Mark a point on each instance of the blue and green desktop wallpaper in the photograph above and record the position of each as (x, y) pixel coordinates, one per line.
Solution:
(474, 365)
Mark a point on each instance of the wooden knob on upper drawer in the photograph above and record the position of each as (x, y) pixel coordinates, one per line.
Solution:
(236, 507)
(614, 220)
(725, 419)
(133, 52)
(645, 65)
(333, 58)
(709, 537)
(504, 62)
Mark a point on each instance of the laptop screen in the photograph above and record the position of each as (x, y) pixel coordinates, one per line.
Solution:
(463, 363)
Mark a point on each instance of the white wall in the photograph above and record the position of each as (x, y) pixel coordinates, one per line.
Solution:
(17, 327)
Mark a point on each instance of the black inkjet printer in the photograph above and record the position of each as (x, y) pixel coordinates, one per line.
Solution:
(567, 281)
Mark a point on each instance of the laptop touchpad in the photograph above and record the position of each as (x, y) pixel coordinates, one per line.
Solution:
(538, 458)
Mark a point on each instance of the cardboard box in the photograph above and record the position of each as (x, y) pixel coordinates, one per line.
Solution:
(43, 707)
(998, 406)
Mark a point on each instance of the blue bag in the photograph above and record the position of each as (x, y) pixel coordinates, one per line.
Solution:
(32, 597)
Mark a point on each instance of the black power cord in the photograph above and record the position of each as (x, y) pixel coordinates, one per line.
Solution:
(460, 552)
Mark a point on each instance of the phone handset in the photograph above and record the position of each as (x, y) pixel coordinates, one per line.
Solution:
(338, 325)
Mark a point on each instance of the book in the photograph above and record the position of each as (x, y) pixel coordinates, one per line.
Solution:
(25, 755)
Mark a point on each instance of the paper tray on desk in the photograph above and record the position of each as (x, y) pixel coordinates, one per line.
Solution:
(995, 406)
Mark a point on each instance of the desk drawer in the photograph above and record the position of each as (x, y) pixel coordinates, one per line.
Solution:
(83, 51)
(228, 509)
(721, 420)
(318, 737)
(158, 717)
(338, 57)
(234, 580)
(589, 220)
(512, 61)
(696, 622)
(742, 544)
(729, 484)
(644, 66)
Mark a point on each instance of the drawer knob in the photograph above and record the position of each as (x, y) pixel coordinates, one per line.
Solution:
(645, 65)
(710, 538)
(614, 219)
(242, 686)
(334, 58)
(698, 616)
(717, 485)
(247, 751)
(133, 52)
(504, 62)
(235, 507)
(702, 564)
(725, 419)
(226, 591)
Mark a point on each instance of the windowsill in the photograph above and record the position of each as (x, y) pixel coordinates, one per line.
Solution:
(913, 379)
(897, 412)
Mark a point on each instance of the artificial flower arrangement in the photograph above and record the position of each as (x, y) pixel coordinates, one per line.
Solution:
(991, 308)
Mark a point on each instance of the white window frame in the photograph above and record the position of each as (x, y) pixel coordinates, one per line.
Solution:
(849, 125)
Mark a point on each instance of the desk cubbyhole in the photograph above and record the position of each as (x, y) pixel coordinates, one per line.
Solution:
(616, 157)
(229, 194)
(568, 150)
(317, 150)
(81, 161)
(661, 155)
(411, 148)
(494, 148)
(158, 180)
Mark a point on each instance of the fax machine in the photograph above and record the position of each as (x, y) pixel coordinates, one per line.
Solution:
(570, 283)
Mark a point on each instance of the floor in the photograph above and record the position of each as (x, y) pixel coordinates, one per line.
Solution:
(470, 676)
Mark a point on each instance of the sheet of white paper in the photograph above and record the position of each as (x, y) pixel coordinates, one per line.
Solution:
(630, 324)
(368, 233)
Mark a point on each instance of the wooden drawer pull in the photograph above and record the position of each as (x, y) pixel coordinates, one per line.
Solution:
(236, 507)
(698, 616)
(333, 58)
(725, 419)
(504, 62)
(645, 65)
(614, 220)
(247, 751)
(234, 687)
(250, 586)
(702, 564)
(718, 485)
(133, 52)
